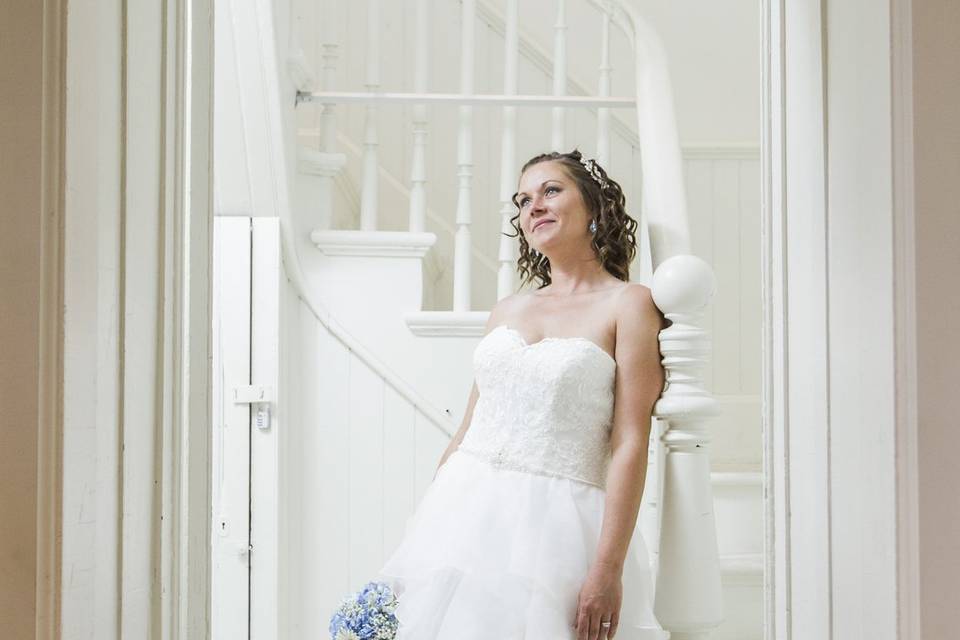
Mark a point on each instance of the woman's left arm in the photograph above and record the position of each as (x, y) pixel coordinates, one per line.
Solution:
(638, 384)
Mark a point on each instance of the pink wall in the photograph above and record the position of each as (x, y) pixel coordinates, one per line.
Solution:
(936, 38)
(20, 49)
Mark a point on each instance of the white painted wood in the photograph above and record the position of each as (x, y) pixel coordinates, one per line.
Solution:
(860, 477)
(559, 74)
(830, 221)
(189, 457)
(807, 500)
(418, 177)
(506, 275)
(230, 456)
(268, 505)
(688, 588)
(358, 453)
(909, 612)
(328, 114)
(603, 90)
(136, 405)
(472, 99)
(776, 588)
(369, 203)
(462, 268)
(664, 201)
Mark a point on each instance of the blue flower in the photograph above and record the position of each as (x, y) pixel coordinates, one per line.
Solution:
(367, 614)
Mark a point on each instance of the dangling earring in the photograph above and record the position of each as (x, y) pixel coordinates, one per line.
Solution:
(593, 226)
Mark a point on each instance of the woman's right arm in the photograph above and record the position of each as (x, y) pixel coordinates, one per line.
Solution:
(458, 437)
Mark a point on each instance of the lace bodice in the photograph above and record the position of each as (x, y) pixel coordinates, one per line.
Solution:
(545, 407)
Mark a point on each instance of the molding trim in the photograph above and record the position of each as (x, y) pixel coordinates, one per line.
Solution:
(396, 244)
(135, 373)
(50, 400)
(776, 551)
(192, 306)
(720, 151)
(905, 322)
(458, 324)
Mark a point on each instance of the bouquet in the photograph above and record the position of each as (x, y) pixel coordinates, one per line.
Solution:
(366, 615)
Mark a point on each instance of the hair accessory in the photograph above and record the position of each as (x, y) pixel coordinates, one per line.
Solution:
(590, 165)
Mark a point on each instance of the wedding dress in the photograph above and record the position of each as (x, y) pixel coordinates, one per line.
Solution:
(503, 538)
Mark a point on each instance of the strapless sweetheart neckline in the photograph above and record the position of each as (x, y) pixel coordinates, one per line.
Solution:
(528, 345)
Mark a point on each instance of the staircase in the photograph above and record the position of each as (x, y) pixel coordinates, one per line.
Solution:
(404, 284)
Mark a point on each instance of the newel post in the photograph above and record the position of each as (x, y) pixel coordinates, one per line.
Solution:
(688, 600)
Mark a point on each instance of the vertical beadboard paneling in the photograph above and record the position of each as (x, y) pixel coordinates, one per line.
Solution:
(725, 260)
(359, 458)
(331, 388)
(288, 605)
(699, 179)
(365, 425)
(310, 464)
(749, 317)
(724, 207)
(398, 468)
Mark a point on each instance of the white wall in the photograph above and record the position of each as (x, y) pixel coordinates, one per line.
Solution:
(714, 53)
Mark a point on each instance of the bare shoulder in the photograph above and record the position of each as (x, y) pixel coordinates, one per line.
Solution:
(635, 304)
(502, 310)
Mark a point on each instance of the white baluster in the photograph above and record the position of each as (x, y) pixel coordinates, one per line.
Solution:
(368, 202)
(559, 74)
(462, 249)
(688, 590)
(326, 164)
(418, 170)
(328, 129)
(508, 179)
(603, 113)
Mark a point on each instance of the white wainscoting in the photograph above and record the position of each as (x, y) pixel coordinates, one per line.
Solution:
(357, 458)
(723, 193)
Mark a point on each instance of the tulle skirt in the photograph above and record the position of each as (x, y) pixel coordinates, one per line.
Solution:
(496, 553)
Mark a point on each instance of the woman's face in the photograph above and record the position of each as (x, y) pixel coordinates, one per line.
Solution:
(552, 210)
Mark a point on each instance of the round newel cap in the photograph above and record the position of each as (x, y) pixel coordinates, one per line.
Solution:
(683, 284)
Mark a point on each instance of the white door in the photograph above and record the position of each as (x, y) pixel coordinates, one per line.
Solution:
(230, 580)
(245, 356)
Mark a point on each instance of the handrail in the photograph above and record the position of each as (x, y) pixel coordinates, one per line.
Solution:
(488, 100)
(664, 202)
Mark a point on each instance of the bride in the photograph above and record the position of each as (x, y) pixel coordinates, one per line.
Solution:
(528, 530)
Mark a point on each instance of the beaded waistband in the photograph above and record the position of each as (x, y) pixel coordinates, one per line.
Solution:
(501, 461)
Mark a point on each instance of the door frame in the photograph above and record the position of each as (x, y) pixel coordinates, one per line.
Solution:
(183, 549)
(123, 495)
(811, 161)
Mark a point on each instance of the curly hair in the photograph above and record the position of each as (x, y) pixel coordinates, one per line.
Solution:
(615, 241)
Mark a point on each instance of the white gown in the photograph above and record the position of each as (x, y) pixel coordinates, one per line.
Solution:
(503, 538)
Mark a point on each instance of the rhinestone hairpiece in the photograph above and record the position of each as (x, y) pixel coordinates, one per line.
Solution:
(590, 165)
